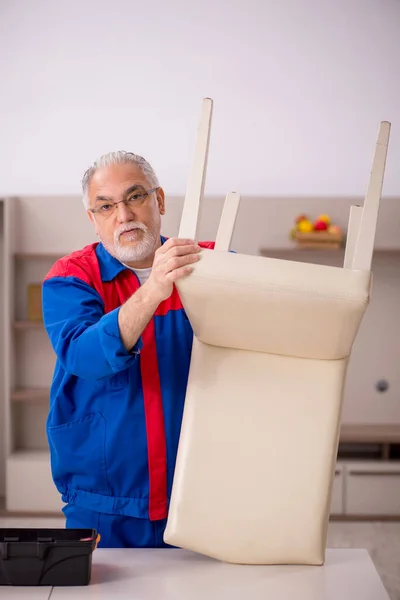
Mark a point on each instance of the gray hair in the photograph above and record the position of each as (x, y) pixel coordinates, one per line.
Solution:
(121, 157)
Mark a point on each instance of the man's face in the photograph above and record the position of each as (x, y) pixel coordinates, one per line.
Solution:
(130, 231)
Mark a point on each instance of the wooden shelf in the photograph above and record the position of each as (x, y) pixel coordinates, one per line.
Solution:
(370, 434)
(28, 324)
(295, 248)
(289, 249)
(39, 255)
(30, 395)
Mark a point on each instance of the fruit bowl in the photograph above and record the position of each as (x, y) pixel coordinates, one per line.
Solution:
(320, 233)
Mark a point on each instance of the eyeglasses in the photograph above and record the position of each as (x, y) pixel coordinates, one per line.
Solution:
(133, 201)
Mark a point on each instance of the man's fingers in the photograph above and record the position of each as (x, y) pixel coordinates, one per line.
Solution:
(176, 242)
(182, 250)
(176, 262)
(176, 274)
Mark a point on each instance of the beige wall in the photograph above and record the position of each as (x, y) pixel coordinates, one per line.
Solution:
(59, 223)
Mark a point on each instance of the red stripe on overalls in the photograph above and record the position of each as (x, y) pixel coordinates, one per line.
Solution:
(156, 441)
(116, 293)
(171, 303)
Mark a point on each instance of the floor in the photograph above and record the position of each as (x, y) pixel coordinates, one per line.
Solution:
(381, 539)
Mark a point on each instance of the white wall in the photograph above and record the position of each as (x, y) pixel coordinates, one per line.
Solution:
(300, 87)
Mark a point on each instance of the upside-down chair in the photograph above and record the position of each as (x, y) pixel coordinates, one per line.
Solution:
(261, 423)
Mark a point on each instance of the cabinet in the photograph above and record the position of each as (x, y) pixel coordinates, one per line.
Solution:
(373, 488)
(369, 464)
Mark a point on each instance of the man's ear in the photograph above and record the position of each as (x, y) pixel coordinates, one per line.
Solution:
(93, 220)
(161, 201)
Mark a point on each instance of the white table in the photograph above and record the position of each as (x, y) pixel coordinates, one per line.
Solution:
(9, 592)
(179, 575)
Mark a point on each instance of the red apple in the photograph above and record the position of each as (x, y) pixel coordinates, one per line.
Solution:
(320, 226)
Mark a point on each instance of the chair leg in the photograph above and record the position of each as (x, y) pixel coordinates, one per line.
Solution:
(227, 222)
(352, 235)
(194, 194)
(364, 246)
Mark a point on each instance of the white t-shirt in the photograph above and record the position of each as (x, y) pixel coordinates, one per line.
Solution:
(143, 274)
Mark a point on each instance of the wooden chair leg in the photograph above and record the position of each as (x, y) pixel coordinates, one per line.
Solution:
(352, 235)
(227, 222)
(194, 194)
(364, 246)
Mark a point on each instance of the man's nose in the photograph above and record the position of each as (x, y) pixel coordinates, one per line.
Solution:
(124, 213)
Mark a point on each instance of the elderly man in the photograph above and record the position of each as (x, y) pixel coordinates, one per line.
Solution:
(123, 346)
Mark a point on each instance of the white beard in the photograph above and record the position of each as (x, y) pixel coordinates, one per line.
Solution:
(141, 250)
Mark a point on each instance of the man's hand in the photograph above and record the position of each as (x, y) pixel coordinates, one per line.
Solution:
(173, 260)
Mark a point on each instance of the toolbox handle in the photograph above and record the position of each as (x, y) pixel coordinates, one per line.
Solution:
(4, 550)
(4, 546)
(42, 548)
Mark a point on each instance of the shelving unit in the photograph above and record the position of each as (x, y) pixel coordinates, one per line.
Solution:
(29, 360)
(3, 422)
(29, 485)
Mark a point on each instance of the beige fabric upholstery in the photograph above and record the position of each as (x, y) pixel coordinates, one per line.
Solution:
(261, 423)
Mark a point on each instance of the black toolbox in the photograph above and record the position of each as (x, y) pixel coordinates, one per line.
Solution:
(53, 557)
